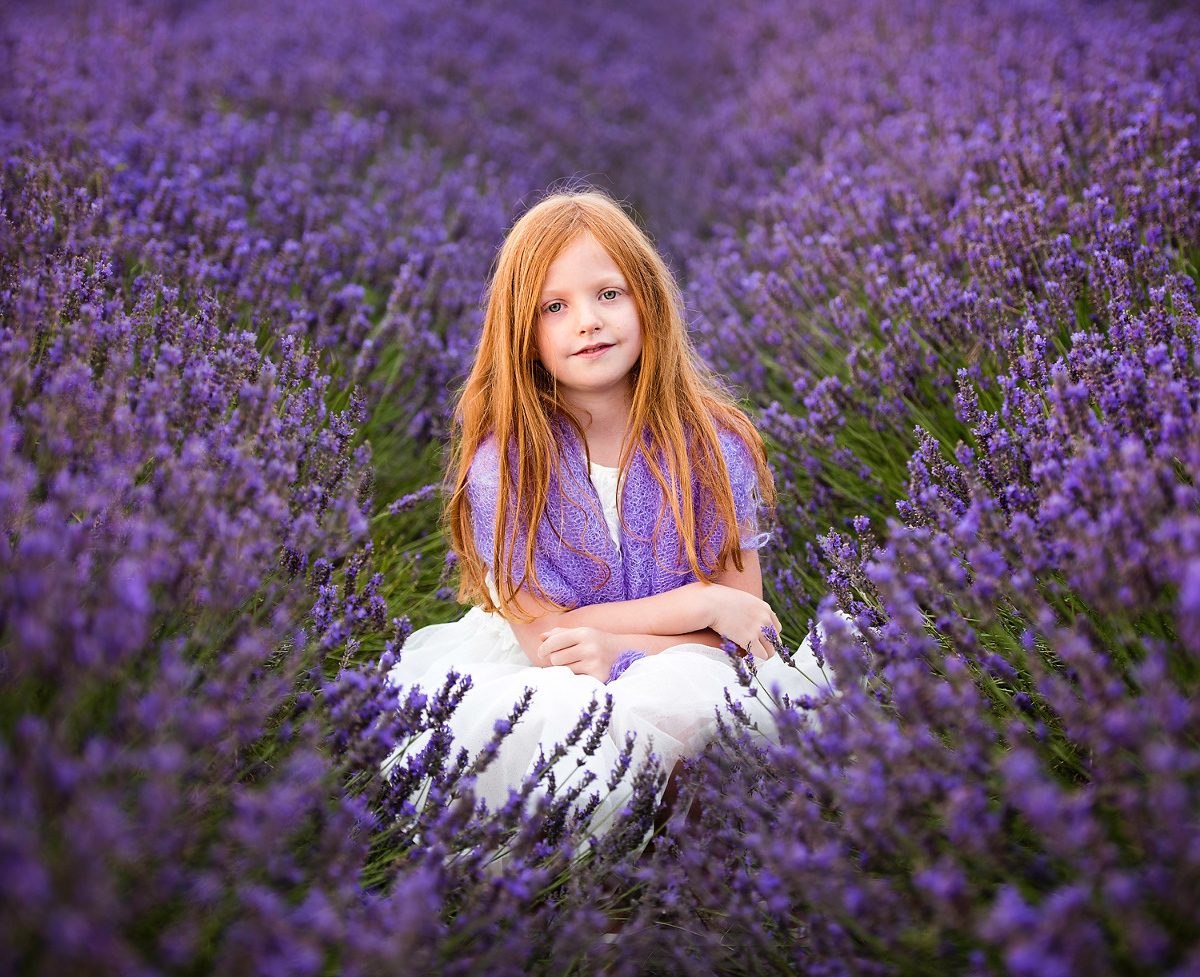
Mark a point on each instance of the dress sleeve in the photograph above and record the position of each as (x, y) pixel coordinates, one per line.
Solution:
(743, 479)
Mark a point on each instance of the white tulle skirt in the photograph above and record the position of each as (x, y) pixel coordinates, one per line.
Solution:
(669, 701)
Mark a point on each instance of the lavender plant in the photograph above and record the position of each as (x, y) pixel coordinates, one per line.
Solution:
(947, 252)
(906, 248)
(184, 786)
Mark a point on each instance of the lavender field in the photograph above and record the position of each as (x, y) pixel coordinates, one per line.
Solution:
(946, 252)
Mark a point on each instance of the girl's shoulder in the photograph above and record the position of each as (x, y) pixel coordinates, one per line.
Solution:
(738, 455)
(742, 465)
(485, 463)
(488, 452)
(730, 440)
(483, 472)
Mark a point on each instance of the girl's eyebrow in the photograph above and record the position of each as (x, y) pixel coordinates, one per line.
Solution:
(607, 281)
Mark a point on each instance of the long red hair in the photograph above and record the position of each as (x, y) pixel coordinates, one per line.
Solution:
(510, 394)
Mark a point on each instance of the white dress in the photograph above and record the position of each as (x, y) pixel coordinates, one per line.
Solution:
(669, 700)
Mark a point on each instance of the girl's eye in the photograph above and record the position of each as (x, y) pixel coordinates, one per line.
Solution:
(609, 293)
(553, 307)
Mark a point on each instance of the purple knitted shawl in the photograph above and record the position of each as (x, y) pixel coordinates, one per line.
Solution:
(643, 565)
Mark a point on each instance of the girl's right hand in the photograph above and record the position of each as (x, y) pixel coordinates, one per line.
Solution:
(586, 651)
(742, 618)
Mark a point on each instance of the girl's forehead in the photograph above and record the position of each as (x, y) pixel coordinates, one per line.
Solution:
(584, 256)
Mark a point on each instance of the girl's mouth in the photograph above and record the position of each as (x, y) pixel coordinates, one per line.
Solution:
(593, 350)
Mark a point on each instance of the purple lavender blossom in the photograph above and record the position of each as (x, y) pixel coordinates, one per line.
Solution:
(946, 252)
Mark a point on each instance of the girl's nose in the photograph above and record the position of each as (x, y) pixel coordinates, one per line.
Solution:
(589, 318)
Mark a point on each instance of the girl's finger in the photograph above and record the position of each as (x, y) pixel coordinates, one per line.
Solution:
(563, 638)
(580, 669)
(568, 657)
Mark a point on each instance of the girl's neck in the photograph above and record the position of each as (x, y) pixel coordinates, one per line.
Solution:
(604, 423)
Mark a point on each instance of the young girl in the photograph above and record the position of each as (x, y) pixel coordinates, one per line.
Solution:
(604, 509)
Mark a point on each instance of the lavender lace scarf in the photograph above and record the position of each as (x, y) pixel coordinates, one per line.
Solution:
(641, 566)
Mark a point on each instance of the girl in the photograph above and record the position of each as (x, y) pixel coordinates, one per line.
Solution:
(604, 507)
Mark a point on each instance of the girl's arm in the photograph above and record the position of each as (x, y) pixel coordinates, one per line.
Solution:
(692, 607)
(698, 612)
(676, 611)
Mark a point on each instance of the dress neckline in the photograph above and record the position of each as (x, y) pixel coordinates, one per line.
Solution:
(604, 468)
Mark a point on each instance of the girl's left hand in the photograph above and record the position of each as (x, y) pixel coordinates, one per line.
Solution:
(586, 651)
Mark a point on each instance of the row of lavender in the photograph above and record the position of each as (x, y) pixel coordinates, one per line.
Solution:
(981, 290)
(242, 251)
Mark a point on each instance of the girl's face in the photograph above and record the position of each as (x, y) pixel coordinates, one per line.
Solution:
(588, 333)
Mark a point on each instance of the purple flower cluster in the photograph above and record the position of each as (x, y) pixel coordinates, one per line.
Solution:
(947, 251)
(163, 482)
(979, 306)
(981, 176)
(183, 786)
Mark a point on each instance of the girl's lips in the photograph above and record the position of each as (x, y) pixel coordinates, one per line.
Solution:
(594, 350)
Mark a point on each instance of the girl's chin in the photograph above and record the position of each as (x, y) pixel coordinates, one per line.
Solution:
(597, 387)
